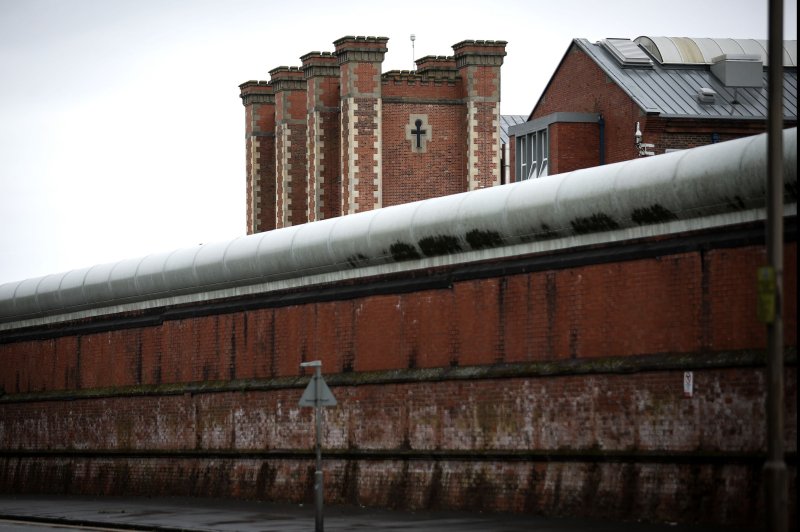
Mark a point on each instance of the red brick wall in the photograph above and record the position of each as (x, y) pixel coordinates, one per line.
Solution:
(687, 303)
(580, 86)
(207, 405)
(440, 171)
(573, 146)
(257, 445)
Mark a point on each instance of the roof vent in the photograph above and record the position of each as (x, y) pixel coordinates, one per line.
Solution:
(738, 70)
(707, 95)
(627, 52)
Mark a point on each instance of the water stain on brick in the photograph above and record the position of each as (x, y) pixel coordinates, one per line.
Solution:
(551, 295)
(398, 490)
(232, 363)
(573, 342)
(432, 246)
(350, 482)
(77, 379)
(273, 356)
(157, 368)
(705, 306)
(436, 490)
(502, 286)
(412, 358)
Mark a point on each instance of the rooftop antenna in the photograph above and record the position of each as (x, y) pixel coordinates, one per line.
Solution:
(413, 55)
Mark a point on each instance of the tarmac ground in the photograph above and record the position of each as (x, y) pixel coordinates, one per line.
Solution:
(29, 513)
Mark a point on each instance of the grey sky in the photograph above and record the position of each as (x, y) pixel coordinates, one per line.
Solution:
(121, 130)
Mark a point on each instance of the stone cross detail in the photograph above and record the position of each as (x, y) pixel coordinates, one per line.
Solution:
(419, 132)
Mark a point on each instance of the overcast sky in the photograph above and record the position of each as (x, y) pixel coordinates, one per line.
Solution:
(121, 127)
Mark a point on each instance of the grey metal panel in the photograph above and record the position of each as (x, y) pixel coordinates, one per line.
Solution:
(96, 288)
(48, 291)
(558, 117)
(241, 258)
(178, 269)
(71, 287)
(690, 185)
(209, 264)
(122, 278)
(672, 92)
(150, 273)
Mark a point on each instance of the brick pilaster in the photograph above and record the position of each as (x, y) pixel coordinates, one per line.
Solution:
(321, 70)
(259, 103)
(290, 145)
(479, 65)
(360, 60)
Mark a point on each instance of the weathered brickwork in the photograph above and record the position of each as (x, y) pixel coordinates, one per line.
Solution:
(556, 391)
(322, 75)
(689, 303)
(259, 102)
(290, 146)
(500, 445)
(356, 148)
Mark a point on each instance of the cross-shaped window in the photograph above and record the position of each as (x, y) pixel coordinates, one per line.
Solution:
(418, 132)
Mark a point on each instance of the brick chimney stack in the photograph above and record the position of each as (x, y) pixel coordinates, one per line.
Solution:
(289, 85)
(360, 60)
(259, 104)
(321, 70)
(479, 65)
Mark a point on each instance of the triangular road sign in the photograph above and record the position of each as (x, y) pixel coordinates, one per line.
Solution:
(309, 397)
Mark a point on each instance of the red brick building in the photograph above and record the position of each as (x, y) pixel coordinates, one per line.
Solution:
(337, 136)
(679, 92)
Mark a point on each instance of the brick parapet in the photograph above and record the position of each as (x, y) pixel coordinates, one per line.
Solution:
(320, 64)
(479, 53)
(361, 49)
(444, 65)
(256, 92)
(284, 78)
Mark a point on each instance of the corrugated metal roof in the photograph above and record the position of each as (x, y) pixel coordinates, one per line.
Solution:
(506, 121)
(673, 91)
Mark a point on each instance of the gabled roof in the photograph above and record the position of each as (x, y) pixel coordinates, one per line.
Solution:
(673, 88)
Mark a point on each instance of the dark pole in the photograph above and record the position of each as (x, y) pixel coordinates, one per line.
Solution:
(775, 467)
(318, 489)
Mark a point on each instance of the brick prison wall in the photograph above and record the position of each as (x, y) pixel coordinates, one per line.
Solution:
(553, 385)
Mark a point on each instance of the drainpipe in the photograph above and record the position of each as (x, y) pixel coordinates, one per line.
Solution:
(602, 123)
(506, 163)
(775, 474)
